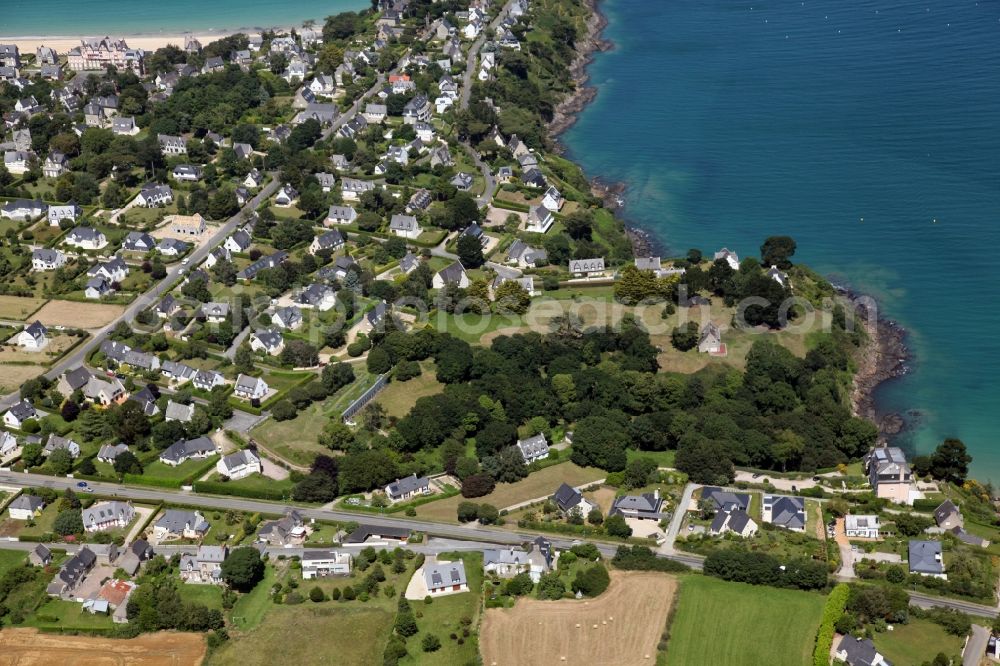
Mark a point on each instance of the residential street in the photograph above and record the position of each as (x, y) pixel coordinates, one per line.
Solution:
(143, 301)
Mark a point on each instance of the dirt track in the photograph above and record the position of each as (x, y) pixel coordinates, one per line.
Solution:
(27, 647)
(619, 628)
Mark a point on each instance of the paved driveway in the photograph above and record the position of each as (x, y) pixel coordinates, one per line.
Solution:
(975, 648)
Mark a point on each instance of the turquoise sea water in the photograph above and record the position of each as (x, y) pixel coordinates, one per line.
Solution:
(868, 130)
(128, 17)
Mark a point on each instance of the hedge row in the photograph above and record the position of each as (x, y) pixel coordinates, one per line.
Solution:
(834, 608)
(224, 488)
(927, 505)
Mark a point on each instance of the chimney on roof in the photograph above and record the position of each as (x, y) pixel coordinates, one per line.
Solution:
(656, 494)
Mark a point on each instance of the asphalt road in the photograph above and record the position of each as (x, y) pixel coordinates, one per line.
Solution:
(469, 532)
(472, 56)
(154, 294)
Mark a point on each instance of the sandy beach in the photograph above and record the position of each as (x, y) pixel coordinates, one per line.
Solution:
(148, 42)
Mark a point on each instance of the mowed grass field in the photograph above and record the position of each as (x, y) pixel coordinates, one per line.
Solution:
(619, 628)
(20, 308)
(761, 625)
(538, 484)
(916, 641)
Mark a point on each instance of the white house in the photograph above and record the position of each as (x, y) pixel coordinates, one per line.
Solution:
(59, 213)
(107, 515)
(8, 444)
(87, 238)
(861, 526)
(183, 450)
(710, 340)
(331, 240)
(238, 465)
(250, 388)
(729, 256)
(340, 215)
(858, 652)
(26, 507)
(32, 337)
(44, 259)
(586, 267)
(533, 448)
(286, 196)
(570, 500)
(180, 524)
(55, 442)
(289, 318)
(540, 220)
(268, 341)
(736, 521)
(405, 488)
(553, 200)
(453, 274)
(152, 195)
(443, 578)
(405, 226)
(318, 563)
(18, 413)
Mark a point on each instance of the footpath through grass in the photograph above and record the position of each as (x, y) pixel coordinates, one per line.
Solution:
(735, 624)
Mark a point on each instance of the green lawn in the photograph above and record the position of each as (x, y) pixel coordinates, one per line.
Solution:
(160, 470)
(761, 625)
(256, 482)
(250, 608)
(59, 614)
(10, 559)
(206, 595)
(43, 523)
(662, 458)
(916, 642)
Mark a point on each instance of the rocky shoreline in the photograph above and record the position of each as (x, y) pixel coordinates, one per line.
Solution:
(567, 111)
(884, 358)
(885, 355)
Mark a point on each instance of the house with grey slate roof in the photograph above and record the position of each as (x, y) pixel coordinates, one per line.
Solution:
(183, 450)
(407, 487)
(736, 521)
(724, 499)
(926, 559)
(107, 515)
(443, 578)
(205, 566)
(180, 524)
(533, 448)
(646, 506)
(569, 499)
(25, 507)
(859, 652)
(785, 511)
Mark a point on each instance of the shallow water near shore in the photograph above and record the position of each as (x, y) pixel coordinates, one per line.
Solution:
(868, 131)
(23, 18)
